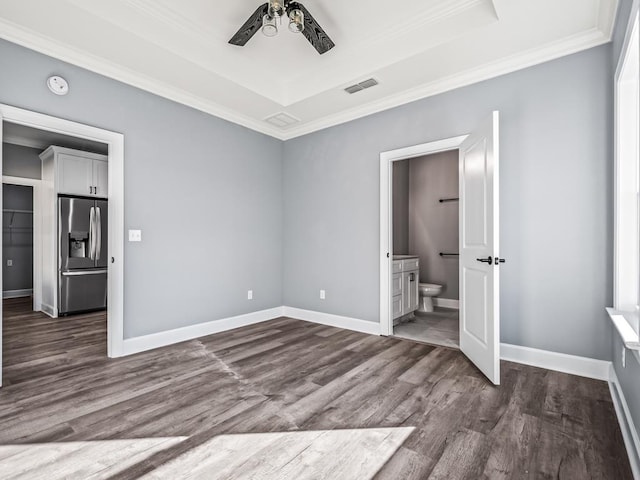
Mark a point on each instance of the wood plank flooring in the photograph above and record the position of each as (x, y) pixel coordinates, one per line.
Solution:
(288, 399)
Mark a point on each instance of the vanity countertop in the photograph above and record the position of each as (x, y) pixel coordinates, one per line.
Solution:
(404, 257)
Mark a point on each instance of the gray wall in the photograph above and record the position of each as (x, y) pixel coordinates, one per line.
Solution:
(433, 226)
(400, 192)
(555, 199)
(17, 238)
(629, 377)
(20, 161)
(206, 193)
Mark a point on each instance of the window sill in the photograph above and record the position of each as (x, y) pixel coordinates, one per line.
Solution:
(623, 322)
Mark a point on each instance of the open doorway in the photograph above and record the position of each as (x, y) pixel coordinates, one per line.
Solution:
(79, 149)
(17, 243)
(425, 226)
(478, 245)
(39, 284)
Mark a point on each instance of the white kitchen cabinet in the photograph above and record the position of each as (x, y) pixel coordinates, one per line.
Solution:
(78, 172)
(101, 178)
(405, 279)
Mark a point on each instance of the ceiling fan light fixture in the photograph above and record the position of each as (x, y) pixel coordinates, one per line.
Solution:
(296, 20)
(276, 8)
(269, 26)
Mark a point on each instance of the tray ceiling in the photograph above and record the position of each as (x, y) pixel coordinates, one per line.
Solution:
(179, 50)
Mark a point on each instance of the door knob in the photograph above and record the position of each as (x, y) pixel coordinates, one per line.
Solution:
(499, 260)
(488, 260)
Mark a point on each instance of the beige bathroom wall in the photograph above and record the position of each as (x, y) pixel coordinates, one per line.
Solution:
(433, 226)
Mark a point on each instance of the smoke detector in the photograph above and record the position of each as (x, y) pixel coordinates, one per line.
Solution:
(58, 85)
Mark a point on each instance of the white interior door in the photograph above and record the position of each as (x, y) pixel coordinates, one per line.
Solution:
(479, 249)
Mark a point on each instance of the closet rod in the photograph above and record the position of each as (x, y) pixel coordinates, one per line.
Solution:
(444, 200)
(449, 254)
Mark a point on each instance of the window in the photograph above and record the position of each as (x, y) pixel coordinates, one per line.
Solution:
(627, 178)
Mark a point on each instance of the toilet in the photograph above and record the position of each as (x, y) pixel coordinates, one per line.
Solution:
(427, 291)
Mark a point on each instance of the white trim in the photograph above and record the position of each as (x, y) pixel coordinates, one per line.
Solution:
(623, 322)
(56, 49)
(348, 323)
(577, 43)
(25, 292)
(627, 426)
(48, 310)
(36, 186)
(115, 142)
(625, 253)
(386, 235)
(48, 46)
(559, 362)
(170, 337)
(446, 303)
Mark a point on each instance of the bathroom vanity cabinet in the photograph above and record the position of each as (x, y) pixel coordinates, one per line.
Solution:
(405, 285)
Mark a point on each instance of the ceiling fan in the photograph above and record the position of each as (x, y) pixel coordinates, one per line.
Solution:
(268, 16)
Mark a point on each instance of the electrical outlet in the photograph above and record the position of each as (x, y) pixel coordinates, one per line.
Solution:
(135, 235)
(323, 294)
(249, 294)
(624, 357)
(9, 263)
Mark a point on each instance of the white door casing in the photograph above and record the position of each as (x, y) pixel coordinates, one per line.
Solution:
(479, 240)
(386, 220)
(37, 233)
(115, 142)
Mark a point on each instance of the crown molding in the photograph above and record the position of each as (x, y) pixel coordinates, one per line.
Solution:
(607, 13)
(45, 45)
(48, 46)
(568, 46)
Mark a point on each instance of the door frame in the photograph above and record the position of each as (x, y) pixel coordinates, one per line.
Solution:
(386, 214)
(35, 185)
(115, 142)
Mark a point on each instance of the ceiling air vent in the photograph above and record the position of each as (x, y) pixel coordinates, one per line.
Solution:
(282, 120)
(358, 87)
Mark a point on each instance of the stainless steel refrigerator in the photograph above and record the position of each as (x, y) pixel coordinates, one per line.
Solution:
(82, 261)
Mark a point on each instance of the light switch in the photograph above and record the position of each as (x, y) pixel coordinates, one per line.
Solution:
(135, 235)
(9, 263)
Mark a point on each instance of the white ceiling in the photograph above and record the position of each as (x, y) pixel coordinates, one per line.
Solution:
(419, 48)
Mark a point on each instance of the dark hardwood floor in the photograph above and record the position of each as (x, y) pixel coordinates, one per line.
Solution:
(288, 399)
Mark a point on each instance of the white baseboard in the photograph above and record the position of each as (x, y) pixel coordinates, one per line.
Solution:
(629, 432)
(446, 303)
(49, 310)
(27, 292)
(338, 321)
(560, 362)
(162, 339)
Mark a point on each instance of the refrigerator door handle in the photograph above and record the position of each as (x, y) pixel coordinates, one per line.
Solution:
(92, 233)
(98, 233)
(81, 273)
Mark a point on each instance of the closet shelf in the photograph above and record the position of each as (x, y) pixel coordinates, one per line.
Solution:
(10, 210)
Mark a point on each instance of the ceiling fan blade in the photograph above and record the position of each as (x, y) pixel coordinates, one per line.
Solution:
(314, 32)
(250, 27)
